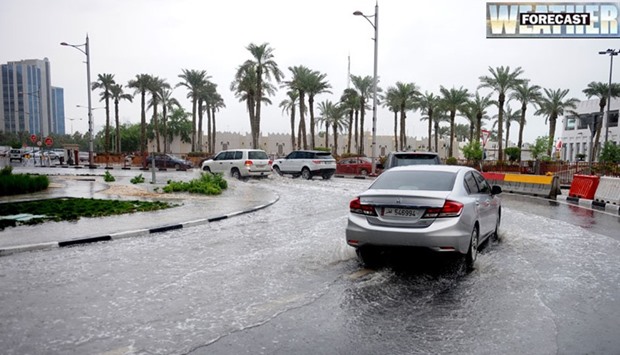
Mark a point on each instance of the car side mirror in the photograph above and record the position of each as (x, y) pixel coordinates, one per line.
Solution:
(496, 190)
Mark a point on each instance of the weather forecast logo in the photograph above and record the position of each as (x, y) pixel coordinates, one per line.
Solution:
(552, 20)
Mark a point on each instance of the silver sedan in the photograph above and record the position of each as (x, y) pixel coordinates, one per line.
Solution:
(438, 207)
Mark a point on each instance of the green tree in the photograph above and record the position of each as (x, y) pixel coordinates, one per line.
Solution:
(553, 104)
(525, 94)
(288, 106)
(601, 91)
(539, 147)
(350, 102)
(501, 81)
(404, 95)
(332, 115)
(610, 153)
(141, 85)
(315, 85)
(194, 81)
(473, 151)
(453, 100)
(117, 94)
(168, 103)
(105, 83)
(265, 68)
(364, 86)
(428, 103)
(299, 82)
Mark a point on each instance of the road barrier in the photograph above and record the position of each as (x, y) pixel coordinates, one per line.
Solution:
(537, 185)
(584, 186)
(608, 190)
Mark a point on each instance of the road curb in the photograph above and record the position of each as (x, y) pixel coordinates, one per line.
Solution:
(595, 205)
(131, 233)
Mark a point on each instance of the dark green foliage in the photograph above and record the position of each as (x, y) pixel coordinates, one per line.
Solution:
(207, 184)
(67, 209)
(107, 177)
(473, 151)
(610, 153)
(451, 161)
(21, 183)
(137, 180)
(512, 153)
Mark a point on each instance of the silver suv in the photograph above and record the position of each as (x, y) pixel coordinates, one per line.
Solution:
(307, 164)
(240, 163)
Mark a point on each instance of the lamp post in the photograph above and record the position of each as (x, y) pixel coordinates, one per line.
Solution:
(375, 25)
(86, 51)
(73, 119)
(612, 53)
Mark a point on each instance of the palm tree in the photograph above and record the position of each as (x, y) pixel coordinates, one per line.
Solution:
(479, 104)
(364, 87)
(179, 125)
(194, 81)
(167, 103)
(525, 94)
(204, 105)
(553, 104)
(288, 106)
(350, 101)
(265, 68)
(141, 85)
(601, 91)
(299, 82)
(390, 101)
(315, 85)
(453, 100)
(509, 117)
(405, 94)
(428, 103)
(217, 102)
(501, 81)
(117, 94)
(155, 89)
(332, 116)
(105, 83)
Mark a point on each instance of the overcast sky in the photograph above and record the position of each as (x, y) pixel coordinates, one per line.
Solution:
(429, 43)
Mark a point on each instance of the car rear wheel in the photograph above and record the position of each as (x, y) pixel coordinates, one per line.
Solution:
(368, 255)
(277, 170)
(206, 168)
(363, 172)
(305, 173)
(472, 252)
(236, 174)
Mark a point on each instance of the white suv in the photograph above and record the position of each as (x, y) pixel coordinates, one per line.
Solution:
(240, 163)
(307, 164)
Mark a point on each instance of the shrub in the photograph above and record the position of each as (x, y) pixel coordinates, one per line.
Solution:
(451, 161)
(107, 177)
(137, 179)
(473, 151)
(21, 183)
(610, 153)
(207, 184)
(512, 153)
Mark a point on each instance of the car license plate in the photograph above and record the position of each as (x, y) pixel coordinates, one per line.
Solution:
(400, 212)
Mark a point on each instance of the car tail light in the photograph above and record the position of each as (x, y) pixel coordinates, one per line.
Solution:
(356, 206)
(316, 161)
(248, 163)
(270, 162)
(449, 209)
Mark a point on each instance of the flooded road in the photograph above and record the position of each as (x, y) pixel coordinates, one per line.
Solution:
(282, 280)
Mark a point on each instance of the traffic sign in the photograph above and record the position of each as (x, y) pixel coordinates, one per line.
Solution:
(485, 136)
(33, 138)
(49, 141)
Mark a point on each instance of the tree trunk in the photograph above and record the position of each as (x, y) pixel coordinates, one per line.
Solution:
(212, 147)
(350, 131)
(430, 127)
(293, 127)
(200, 116)
(156, 124)
(143, 129)
(362, 114)
(357, 145)
(500, 126)
(452, 132)
(194, 124)
(521, 127)
(118, 127)
(107, 124)
(164, 126)
(208, 127)
(335, 128)
(311, 104)
(395, 130)
(302, 119)
(552, 120)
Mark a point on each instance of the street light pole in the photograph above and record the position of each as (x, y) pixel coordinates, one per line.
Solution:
(374, 87)
(612, 53)
(86, 51)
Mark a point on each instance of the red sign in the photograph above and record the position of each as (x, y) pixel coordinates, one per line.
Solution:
(49, 141)
(33, 138)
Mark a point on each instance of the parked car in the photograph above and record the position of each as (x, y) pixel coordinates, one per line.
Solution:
(307, 164)
(411, 158)
(446, 209)
(356, 166)
(16, 154)
(46, 154)
(168, 161)
(240, 163)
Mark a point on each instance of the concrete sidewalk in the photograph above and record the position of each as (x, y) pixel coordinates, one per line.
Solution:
(239, 198)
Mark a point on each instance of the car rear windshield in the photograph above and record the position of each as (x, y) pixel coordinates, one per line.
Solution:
(415, 159)
(323, 155)
(256, 154)
(415, 180)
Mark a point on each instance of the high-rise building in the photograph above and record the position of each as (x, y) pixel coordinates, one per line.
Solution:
(28, 102)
